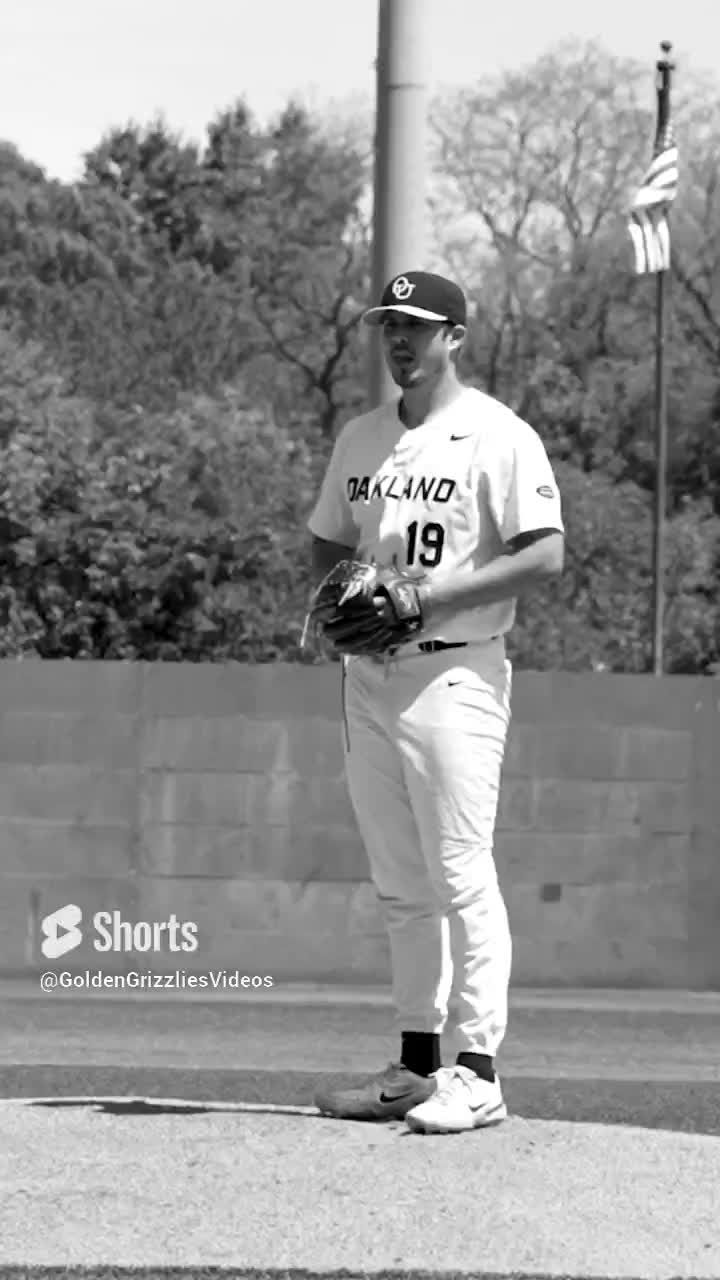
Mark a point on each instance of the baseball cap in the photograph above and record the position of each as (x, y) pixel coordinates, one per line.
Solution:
(421, 294)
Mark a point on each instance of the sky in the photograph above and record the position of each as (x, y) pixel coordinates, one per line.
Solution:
(72, 69)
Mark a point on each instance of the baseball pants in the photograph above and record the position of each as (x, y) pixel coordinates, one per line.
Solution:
(424, 745)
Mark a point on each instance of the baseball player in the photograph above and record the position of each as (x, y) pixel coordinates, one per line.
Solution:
(453, 497)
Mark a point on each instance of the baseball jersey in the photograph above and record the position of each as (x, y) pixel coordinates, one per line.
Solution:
(442, 498)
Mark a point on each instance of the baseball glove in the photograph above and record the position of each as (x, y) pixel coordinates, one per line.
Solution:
(364, 609)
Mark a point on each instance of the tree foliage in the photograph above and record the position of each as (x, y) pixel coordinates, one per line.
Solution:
(546, 161)
(180, 342)
(152, 537)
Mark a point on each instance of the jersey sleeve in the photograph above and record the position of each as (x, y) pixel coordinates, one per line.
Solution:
(331, 517)
(523, 491)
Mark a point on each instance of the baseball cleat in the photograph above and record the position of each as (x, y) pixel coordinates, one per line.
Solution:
(460, 1102)
(385, 1096)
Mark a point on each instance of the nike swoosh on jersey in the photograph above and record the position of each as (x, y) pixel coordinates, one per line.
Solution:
(467, 437)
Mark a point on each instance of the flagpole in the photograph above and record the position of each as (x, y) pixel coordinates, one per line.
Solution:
(660, 481)
(664, 69)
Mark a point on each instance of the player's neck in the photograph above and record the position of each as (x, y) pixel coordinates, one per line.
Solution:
(420, 403)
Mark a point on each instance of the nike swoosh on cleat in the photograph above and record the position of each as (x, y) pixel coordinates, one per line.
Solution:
(396, 1097)
(467, 437)
(491, 1112)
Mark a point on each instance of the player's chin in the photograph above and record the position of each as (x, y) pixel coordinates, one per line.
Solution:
(405, 375)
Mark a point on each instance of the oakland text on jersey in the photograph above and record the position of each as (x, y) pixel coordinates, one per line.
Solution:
(371, 488)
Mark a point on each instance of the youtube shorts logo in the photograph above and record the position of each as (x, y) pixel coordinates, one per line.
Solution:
(60, 931)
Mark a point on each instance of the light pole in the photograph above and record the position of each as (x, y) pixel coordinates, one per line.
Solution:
(399, 206)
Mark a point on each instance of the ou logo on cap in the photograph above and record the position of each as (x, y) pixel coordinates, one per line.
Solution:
(402, 288)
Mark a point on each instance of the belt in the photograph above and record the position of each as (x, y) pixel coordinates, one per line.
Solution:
(425, 646)
(437, 646)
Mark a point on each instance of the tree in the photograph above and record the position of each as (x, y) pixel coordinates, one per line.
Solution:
(261, 230)
(160, 178)
(291, 229)
(180, 338)
(535, 166)
(151, 538)
(539, 168)
(598, 616)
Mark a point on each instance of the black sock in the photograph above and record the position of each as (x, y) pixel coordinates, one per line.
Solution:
(480, 1063)
(420, 1052)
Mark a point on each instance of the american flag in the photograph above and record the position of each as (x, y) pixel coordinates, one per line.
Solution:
(648, 219)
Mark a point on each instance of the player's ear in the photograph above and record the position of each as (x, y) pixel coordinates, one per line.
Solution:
(456, 335)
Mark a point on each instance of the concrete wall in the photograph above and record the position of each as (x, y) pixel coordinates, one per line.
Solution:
(217, 793)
